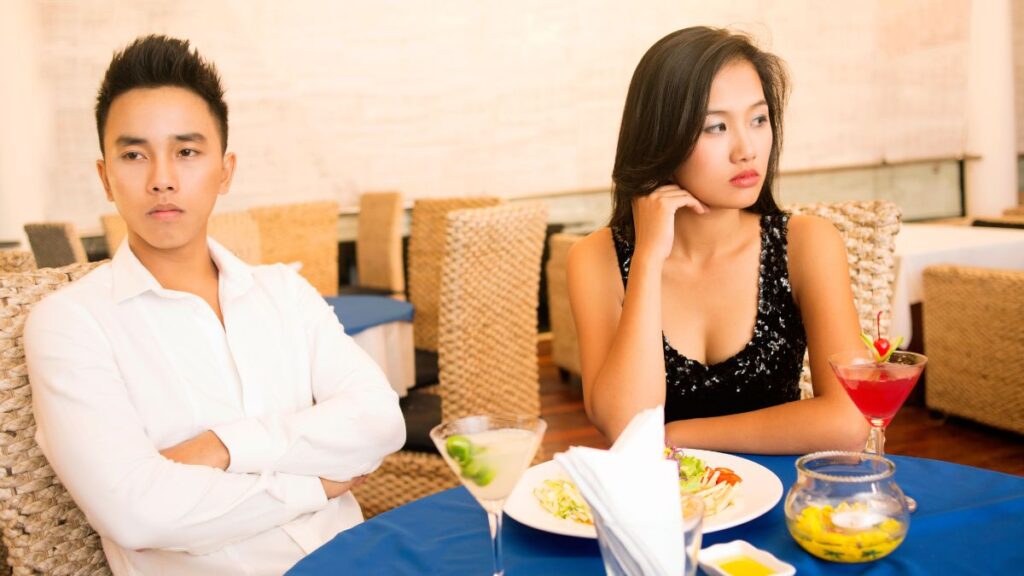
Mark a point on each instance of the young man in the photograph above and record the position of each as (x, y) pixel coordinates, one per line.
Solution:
(209, 417)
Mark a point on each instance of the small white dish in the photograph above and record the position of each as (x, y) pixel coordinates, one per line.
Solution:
(712, 558)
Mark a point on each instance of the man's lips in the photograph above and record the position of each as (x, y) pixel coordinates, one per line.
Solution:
(746, 179)
(166, 213)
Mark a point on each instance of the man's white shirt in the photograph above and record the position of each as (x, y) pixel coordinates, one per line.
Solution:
(122, 368)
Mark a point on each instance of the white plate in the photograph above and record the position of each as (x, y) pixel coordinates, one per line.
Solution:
(760, 491)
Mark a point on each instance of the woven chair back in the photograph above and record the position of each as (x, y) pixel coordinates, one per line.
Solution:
(488, 319)
(43, 530)
(869, 231)
(974, 337)
(306, 233)
(239, 233)
(16, 261)
(426, 251)
(114, 231)
(565, 346)
(55, 244)
(379, 241)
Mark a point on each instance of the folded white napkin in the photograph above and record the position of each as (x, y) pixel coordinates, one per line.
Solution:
(633, 492)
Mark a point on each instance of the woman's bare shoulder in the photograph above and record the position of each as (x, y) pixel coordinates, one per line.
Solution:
(593, 248)
(808, 228)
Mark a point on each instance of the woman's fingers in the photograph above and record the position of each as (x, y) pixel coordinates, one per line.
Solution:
(671, 197)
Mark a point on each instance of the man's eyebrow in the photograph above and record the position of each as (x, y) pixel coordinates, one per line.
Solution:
(190, 137)
(752, 106)
(129, 141)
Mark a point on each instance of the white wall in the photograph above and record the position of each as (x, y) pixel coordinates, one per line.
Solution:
(460, 97)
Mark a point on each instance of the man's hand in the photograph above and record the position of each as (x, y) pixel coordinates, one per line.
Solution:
(334, 489)
(205, 449)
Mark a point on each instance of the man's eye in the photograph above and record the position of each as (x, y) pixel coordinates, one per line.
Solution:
(131, 156)
(189, 152)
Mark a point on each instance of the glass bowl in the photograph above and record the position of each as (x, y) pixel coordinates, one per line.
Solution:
(846, 507)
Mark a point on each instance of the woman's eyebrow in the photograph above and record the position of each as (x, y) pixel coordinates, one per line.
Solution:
(761, 102)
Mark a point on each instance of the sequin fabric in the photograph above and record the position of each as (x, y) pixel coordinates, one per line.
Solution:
(766, 372)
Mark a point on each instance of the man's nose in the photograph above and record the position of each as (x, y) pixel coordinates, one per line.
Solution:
(163, 177)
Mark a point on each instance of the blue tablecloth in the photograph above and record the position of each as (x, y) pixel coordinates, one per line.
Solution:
(359, 312)
(969, 521)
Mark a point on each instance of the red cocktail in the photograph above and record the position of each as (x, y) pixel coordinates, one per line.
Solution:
(877, 388)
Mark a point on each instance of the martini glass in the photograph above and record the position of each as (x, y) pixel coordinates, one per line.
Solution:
(489, 454)
(878, 389)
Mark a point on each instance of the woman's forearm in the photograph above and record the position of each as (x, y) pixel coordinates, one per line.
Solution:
(632, 376)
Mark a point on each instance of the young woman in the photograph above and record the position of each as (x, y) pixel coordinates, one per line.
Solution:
(702, 294)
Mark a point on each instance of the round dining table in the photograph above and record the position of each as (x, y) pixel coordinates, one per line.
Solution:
(968, 521)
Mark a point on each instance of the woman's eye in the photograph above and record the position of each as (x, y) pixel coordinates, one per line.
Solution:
(715, 128)
(760, 121)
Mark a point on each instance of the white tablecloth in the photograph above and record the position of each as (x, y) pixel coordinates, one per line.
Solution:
(921, 245)
(391, 346)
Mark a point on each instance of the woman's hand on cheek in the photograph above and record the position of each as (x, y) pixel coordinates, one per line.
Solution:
(654, 219)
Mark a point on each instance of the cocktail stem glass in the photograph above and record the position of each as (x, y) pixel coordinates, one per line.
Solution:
(494, 520)
(876, 437)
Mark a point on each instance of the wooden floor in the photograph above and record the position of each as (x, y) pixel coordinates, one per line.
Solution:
(914, 431)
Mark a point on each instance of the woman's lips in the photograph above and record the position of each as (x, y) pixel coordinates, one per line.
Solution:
(746, 179)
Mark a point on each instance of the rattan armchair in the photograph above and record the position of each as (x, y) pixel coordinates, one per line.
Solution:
(43, 530)
(379, 243)
(487, 340)
(426, 252)
(306, 233)
(16, 261)
(55, 244)
(869, 230)
(974, 337)
(565, 347)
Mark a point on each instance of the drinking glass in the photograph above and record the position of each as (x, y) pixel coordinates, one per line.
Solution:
(878, 389)
(693, 520)
(489, 453)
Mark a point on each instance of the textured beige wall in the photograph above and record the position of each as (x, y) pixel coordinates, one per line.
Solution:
(460, 97)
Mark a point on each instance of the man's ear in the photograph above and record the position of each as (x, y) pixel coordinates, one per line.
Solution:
(101, 170)
(227, 173)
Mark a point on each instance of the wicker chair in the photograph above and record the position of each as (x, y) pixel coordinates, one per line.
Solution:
(487, 342)
(869, 230)
(565, 347)
(1016, 211)
(43, 530)
(379, 242)
(16, 261)
(55, 244)
(114, 231)
(426, 251)
(974, 337)
(306, 233)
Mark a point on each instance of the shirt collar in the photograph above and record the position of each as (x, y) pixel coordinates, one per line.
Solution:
(130, 278)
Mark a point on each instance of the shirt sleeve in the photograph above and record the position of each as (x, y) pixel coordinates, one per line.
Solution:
(90, 433)
(355, 420)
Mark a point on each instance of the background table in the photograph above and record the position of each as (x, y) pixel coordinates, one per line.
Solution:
(968, 521)
(381, 326)
(921, 245)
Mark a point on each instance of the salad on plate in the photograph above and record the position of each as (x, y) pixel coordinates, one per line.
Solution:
(716, 486)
